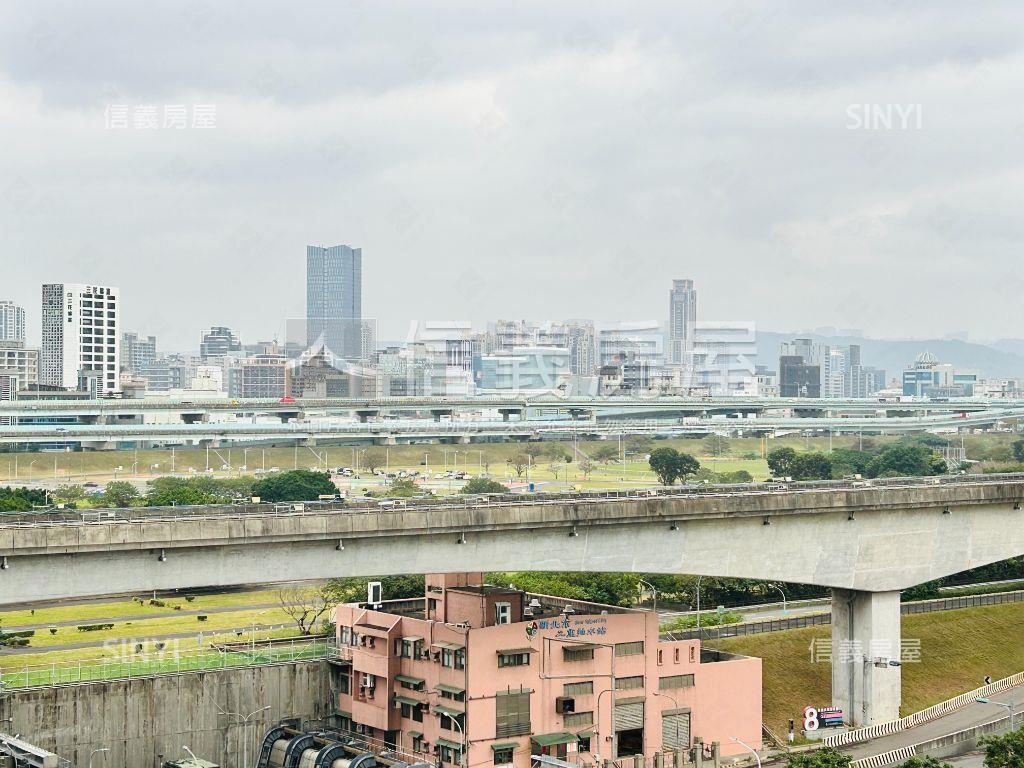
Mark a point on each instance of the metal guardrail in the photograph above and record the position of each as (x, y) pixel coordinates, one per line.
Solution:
(925, 715)
(222, 511)
(741, 629)
(168, 663)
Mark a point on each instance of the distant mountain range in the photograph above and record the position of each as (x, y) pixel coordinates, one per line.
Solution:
(999, 360)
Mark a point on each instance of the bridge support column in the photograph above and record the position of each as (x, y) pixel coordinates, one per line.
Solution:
(865, 639)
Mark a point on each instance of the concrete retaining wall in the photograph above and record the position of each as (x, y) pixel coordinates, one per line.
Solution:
(142, 719)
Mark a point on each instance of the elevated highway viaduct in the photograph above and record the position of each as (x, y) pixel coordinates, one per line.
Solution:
(508, 405)
(865, 542)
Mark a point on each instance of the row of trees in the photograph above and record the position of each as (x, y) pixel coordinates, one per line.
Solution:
(295, 485)
(903, 459)
(20, 499)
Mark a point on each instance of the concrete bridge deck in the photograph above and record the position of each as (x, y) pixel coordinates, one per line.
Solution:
(867, 541)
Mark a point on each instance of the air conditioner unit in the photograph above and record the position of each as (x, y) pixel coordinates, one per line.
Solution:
(437, 655)
(565, 705)
(398, 704)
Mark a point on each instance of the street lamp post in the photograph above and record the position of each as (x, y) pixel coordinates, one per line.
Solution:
(698, 606)
(654, 590)
(1007, 706)
(597, 719)
(462, 735)
(777, 587)
(749, 748)
(253, 637)
(675, 703)
(243, 720)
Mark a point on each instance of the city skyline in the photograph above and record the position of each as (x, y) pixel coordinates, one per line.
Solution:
(575, 155)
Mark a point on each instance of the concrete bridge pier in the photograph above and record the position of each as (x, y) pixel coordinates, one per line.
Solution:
(866, 656)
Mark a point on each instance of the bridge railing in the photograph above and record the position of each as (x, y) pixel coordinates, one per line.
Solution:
(160, 663)
(694, 490)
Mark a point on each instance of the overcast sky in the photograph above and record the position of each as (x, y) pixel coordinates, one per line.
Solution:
(520, 160)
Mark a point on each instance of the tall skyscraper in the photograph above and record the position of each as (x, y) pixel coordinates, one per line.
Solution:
(682, 319)
(334, 299)
(81, 337)
(137, 351)
(12, 322)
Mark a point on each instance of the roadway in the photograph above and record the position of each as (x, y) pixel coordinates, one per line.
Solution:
(972, 715)
(394, 431)
(511, 402)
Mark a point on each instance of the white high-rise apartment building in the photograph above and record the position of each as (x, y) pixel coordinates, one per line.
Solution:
(12, 322)
(81, 336)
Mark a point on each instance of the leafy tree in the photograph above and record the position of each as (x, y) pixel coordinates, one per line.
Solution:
(781, 462)
(906, 460)
(609, 588)
(557, 452)
(1018, 450)
(826, 757)
(555, 469)
(305, 605)
(295, 485)
(670, 465)
(403, 488)
(483, 485)
(812, 466)
(374, 458)
(786, 462)
(1004, 751)
(534, 450)
(519, 462)
(68, 493)
(167, 491)
(606, 452)
(716, 445)
(352, 589)
(737, 476)
(924, 762)
(639, 444)
(586, 467)
(20, 499)
(120, 493)
(848, 461)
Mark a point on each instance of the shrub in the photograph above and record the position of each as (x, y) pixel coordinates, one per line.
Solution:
(94, 627)
(201, 617)
(158, 603)
(189, 598)
(53, 630)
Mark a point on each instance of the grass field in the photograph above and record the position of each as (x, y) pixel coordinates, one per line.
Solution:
(138, 628)
(958, 648)
(84, 613)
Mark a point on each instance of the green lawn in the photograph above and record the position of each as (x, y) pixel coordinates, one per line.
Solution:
(81, 669)
(958, 648)
(88, 613)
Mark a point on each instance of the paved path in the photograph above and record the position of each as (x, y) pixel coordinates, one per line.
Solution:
(117, 641)
(963, 718)
(142, 616)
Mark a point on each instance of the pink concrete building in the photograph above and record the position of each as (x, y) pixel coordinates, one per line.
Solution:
(479, 675)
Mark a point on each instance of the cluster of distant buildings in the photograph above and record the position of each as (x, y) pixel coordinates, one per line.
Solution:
(334, 352)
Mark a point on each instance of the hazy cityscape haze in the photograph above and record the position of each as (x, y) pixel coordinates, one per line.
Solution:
(525, 161)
